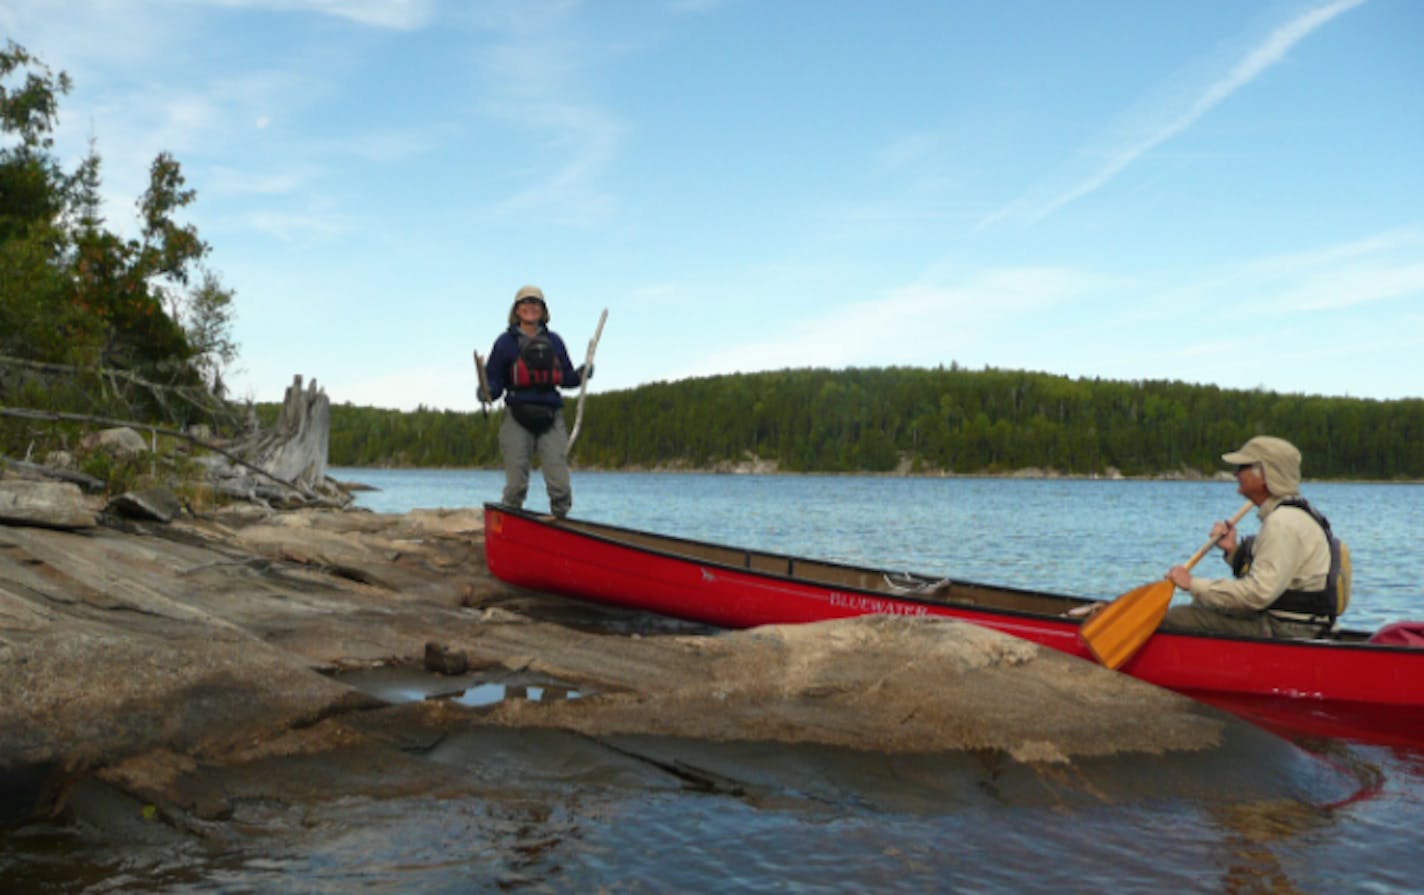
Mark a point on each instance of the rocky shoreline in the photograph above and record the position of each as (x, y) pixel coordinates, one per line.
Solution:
(203, 664)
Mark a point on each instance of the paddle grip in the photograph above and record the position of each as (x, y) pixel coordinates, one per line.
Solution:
(1196, 557)
(484, 383)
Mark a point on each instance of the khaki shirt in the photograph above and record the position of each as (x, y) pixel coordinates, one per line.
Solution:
(1290, 553)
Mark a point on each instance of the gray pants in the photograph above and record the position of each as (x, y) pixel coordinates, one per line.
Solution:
(1191, 617)
(518, 447)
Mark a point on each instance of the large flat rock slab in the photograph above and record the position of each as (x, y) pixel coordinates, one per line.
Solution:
(143, 653)
(880, 683)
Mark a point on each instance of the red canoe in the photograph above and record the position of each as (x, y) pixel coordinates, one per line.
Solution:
(1343, 687)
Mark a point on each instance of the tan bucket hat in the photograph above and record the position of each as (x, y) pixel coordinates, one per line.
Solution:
(524, 292)
(1279, 459)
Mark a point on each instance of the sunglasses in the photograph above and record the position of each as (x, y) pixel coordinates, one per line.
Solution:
(530, 301)
(1243, 467)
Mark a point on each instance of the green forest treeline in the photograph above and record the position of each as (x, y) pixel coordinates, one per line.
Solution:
(930, 421)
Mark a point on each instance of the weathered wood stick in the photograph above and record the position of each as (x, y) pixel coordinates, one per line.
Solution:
(583, 386)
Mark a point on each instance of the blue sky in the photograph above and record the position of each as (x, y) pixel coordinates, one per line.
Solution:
(1213, 191)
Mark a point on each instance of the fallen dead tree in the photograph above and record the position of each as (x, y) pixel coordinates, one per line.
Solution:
(283, 467)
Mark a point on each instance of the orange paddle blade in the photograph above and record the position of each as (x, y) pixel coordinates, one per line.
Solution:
(1119, 629)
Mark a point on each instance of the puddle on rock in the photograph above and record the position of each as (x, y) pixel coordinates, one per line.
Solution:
(485, 695)
(398, 685)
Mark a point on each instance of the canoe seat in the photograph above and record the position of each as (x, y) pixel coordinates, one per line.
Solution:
(908, 583)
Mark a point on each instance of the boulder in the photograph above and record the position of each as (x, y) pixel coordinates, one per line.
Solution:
(121, 442)
(46, 504)
(151, 504)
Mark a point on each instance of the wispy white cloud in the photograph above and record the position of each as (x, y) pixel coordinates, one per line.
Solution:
(230, 181)
(438, 386)
(892, 328)
(1199, 325)
(1354, 286)
(1204, 348)
(400, 15)
(532, 81)
(259, 106)
(1386, 266)
(695, 7)
(904, 152)
(1246, 69)
(303, 227)
(1332, 308)
(583, 142)
(386, 146)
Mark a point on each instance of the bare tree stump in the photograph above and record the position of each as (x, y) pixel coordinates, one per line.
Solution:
(296, 448)
(292, 455)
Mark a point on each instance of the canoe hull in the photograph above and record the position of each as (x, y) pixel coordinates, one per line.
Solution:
(1348, 689)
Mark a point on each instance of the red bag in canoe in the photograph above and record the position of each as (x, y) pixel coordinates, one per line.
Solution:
(1400, 634)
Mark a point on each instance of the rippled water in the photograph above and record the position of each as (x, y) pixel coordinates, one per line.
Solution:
(562, 813)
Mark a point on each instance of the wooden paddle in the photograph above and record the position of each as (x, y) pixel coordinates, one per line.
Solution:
(1116, 632)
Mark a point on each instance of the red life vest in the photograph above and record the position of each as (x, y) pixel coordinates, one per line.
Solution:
(537, 365)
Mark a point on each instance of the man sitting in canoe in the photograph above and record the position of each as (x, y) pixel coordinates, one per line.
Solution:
(1289, 580)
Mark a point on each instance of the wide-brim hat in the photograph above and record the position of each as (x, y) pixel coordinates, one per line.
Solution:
(527, 293)
(1279, 460)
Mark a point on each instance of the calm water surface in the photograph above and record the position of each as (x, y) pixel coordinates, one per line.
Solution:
(1261, 815)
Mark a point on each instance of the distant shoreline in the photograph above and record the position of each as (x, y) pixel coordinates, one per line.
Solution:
(1030, 473)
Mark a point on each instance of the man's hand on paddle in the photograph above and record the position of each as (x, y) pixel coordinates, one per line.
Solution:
(1179, 576)
(1224, 533)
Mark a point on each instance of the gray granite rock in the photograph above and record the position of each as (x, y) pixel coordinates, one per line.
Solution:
(47, 504)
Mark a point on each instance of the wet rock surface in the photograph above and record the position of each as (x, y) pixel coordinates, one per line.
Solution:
(205, 661)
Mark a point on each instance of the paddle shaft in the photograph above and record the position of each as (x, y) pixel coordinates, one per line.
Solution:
(1201, 551)
(583, 385)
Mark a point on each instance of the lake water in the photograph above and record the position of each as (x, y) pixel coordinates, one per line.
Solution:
(1259, 815)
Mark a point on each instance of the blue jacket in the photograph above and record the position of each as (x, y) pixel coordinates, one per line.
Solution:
(501, 361)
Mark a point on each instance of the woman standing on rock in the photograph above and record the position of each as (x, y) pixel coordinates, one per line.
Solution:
(528, 365)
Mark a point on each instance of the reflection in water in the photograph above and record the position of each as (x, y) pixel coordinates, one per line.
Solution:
(544, 810)
(400, 685)
(1261, 835)
(1255, 834)
(485, 695)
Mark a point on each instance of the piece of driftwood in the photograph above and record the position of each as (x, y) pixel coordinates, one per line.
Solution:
(38, 470)
(583, 384)
(112, 382)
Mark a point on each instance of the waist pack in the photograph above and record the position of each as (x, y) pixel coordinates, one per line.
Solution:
(535, 418)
